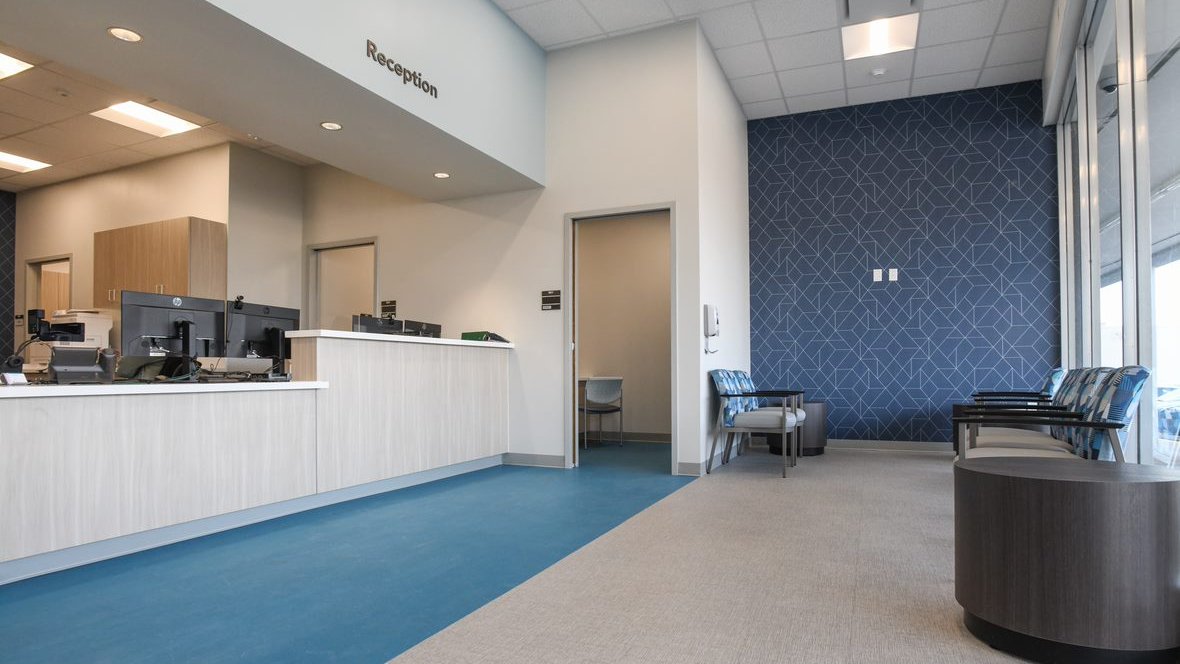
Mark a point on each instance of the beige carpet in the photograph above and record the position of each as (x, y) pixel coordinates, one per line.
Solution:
(850, 559)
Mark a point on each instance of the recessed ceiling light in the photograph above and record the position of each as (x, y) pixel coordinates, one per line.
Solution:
(21, 164)
(442, 176)
(10, 65)
(331, 126)
(123, 34)
(145, 119)
(885, 35)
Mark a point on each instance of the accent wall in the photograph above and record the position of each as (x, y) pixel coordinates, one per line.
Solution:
(7, 270)
(956, 191)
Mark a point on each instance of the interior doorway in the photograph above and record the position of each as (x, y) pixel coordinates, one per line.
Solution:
(622, 351)
(344, 283)
(47, 284)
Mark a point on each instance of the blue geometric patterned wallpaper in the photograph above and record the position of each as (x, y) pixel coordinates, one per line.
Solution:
(7, 269)
(959, 192)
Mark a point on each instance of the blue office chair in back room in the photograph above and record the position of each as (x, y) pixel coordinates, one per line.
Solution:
(603, 397)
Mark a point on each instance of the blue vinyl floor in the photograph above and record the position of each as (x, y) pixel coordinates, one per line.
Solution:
(358, 582)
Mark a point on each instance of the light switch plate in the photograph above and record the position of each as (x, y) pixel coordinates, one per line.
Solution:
(877, 274)
(892, 274)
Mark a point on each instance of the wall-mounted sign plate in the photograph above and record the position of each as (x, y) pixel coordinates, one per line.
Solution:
(389, 308)
(550, 300)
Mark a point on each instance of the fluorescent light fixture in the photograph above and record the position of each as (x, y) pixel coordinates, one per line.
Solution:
(442, 176)
(145, 119)
(20, 164)
(10, 65)
(331, 126)
(123, 34)
(885, 35)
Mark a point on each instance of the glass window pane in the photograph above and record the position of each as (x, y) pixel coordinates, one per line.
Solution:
(1081, 264)
(1163, 94)
(1109, 251)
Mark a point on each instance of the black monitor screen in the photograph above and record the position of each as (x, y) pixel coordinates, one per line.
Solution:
(153, 323)
(250, 329)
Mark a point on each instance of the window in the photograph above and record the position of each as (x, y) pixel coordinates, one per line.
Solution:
(1107, 196)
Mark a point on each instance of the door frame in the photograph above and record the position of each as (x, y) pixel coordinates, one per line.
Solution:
(569, 333)
(32, 266)
(311, 275)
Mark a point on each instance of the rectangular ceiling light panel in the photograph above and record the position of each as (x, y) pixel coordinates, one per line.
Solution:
(145, 119)
(20, 164)
(10, 65)
(885, 35)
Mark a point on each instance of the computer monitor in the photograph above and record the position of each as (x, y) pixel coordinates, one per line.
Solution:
(419, 329)
(374, 325)
(171, 325)
(258, 330)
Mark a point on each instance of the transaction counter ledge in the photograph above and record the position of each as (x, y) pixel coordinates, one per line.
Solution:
(96, 471)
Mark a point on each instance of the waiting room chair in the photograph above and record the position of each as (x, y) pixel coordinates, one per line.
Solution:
(740, 413)
(603, 397)
(1092, 432)
(1053, 381)
(1076, 395)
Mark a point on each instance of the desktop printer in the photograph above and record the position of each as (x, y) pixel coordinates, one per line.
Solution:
(86, 328)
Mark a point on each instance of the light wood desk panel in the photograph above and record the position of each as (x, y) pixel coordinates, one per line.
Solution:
(398, 407)
(79, 469)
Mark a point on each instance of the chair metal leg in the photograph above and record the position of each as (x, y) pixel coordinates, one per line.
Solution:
(620, 427)
(741, 441)
(727, 448)
(713, 450)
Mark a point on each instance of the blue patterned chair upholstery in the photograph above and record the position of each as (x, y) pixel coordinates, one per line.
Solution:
(741, 415)
(1074, 395)
(1114, 401)
(1053, 381)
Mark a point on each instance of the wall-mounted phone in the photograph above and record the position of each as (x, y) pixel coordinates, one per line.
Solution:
(712, 325)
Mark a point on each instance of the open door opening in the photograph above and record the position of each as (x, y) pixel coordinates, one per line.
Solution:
(621, 304)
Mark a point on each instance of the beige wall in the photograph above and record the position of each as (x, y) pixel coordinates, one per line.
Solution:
(345, 285)
(62, 218)
(265, 262)
(624, 312)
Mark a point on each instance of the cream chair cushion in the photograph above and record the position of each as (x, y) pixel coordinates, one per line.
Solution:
(763, 418)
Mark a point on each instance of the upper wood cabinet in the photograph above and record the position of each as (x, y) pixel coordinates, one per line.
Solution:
(184, 256)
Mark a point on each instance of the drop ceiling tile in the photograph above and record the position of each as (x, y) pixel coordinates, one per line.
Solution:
(180, 112)
(815, 48)
(160, 147)
(948, 58)
(614, 15)
(245, 138)
(42, 177)
(689, 7)
(744, 60)
(6, 185)
(640, 28)
(898, 67)
(959, 23)
(964, 80)
(755, 111)
(810, 80)
(555, 22)
(65, 145)
(731, 26)
(818, 102)
(22, 148)
(1026, 15)
(197, 139)
(1025, 71)
(783, 19)
(122, 93)
(105, 161)
(10, 124)
(1016, 47)
(756, 88)
(883, 92)
(15, 102)
(939, 4)
(103, 130)
(58, 89)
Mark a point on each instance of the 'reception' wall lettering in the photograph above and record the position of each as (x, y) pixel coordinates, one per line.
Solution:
(409, 76)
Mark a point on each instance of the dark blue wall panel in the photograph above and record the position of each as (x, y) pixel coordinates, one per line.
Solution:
(959, 192)
(7, 269)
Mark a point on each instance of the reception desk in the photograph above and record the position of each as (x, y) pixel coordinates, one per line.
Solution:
(83, 464)
(402, 405)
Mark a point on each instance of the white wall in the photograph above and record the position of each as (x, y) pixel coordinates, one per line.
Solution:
(725, 227)
(490, 75)
(62, 218)
(265, 262)
(623, 132)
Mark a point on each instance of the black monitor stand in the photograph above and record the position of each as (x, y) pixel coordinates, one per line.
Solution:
(276, 337)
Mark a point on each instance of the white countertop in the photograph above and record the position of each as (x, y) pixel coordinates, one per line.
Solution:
(33, 391)
(396, 338)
